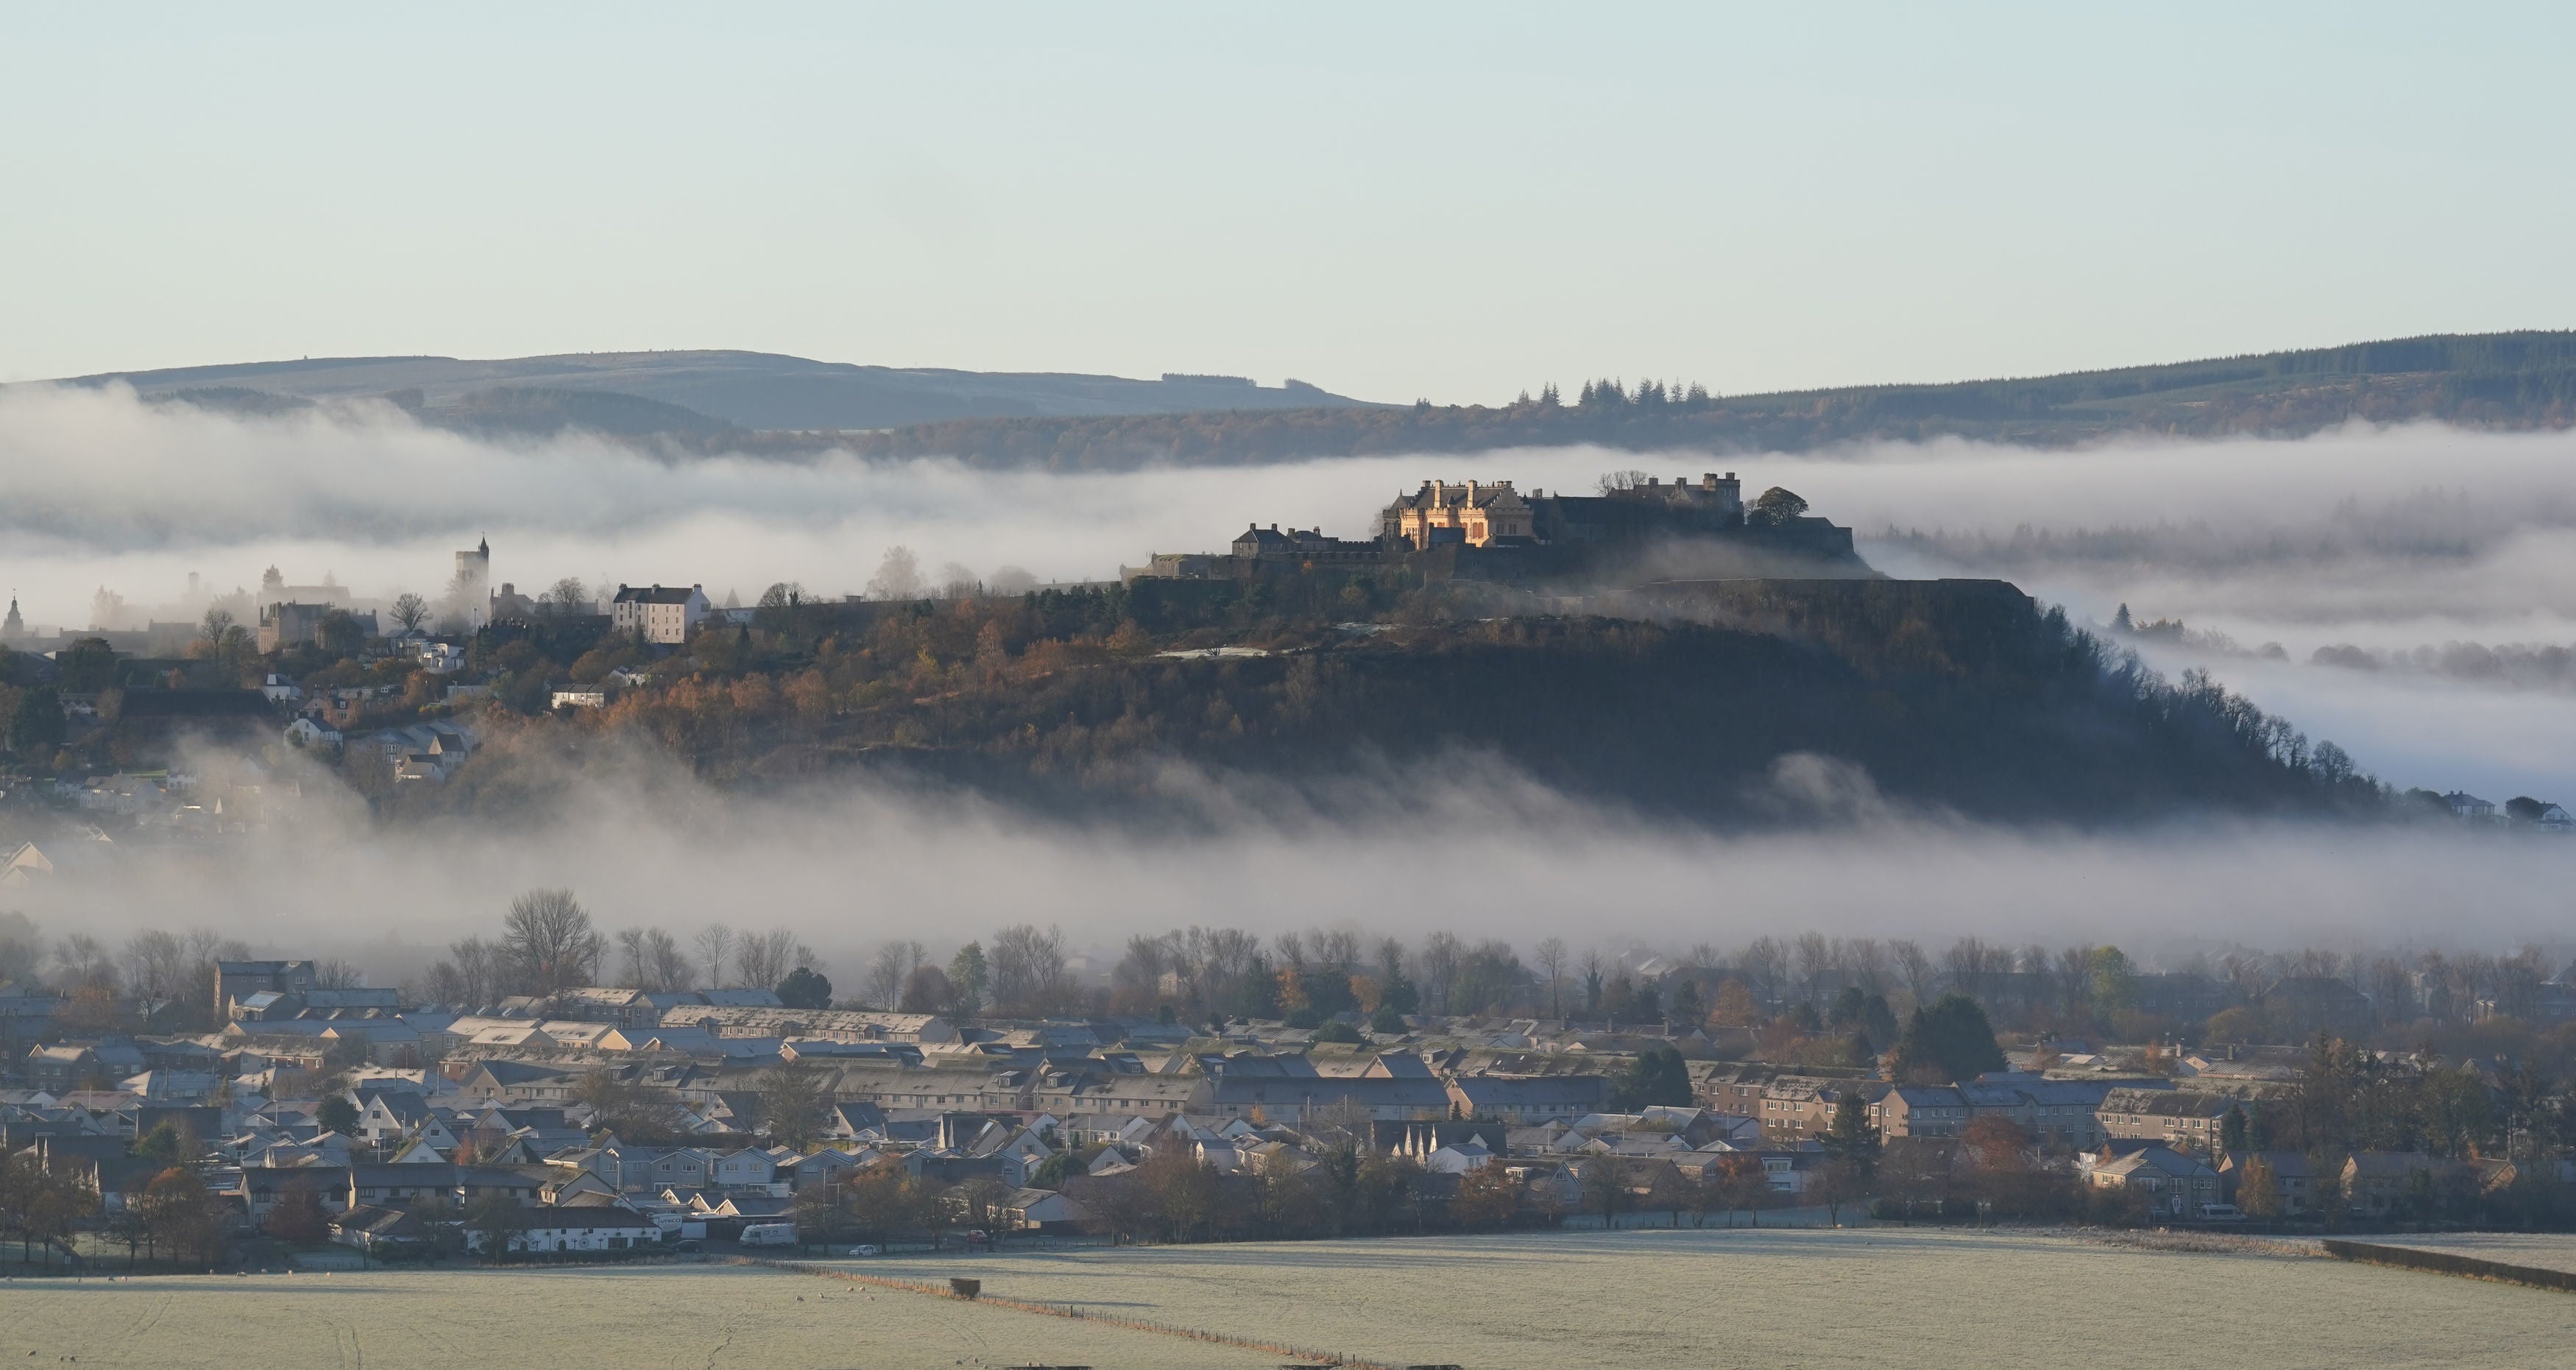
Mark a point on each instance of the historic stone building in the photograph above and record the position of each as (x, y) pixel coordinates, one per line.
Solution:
(1470, 515)
(1492, 529)
(1496, 515)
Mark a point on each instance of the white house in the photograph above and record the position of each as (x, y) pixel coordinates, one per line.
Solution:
(661, 613)
(578, 1229)
(578, 697)
(1457, 1158)
(2555, 821)
(305, 733)
(749, 1168)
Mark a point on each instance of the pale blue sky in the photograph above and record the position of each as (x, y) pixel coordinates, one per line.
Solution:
(1390, 201)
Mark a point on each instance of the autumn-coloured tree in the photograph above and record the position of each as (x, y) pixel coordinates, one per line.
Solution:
(1487, 1196)
(299, 1217)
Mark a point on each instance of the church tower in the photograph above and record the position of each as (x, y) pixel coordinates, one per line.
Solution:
(473, 585)
(13, 627)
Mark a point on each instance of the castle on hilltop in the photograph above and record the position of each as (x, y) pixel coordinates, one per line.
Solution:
(1490, 528)
(1496, 515)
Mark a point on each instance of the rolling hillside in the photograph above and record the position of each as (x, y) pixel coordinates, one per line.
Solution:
(2501, 381)
(701, 391)
(791, 408)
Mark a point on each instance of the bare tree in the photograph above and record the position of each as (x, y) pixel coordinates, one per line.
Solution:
(1441, 953)
(1765, 964)
(630, 944)
(1867, 962)
(715, 952)
(1815, 953)
(568, 597)
(1914, 966)
(334, 973)
(897, 577)
(410, 611)
(1390, 959)
(891, 969)
(81, 960)
(1220, 957)
(549, 942)
(765, 958)
(1028, 970)
(1550, 956)
(469, 977)
(156, 965)
(666, 966)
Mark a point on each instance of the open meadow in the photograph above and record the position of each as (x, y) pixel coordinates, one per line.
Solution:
(1864, 1297)
(704, 1317)
(2544, 1250)
(1699, 1298)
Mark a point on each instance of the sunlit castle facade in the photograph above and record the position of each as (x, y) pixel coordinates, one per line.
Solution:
(1479, 514)
(1471, 514)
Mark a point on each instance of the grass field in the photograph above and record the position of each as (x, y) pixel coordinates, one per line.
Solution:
(701, 1317)
(1869, 1297)
(2548, 1251)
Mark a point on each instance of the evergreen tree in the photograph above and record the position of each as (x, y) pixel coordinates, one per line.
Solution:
(2231, 1128)
(968, 977)
(36, 729)
(1658, 1077)
(1851, 1139)
(1949, 1041)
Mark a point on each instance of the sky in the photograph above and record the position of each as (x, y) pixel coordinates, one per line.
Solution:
(1442, 201)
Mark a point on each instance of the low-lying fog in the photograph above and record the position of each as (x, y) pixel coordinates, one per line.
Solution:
(1480, 851)
(2378, 541)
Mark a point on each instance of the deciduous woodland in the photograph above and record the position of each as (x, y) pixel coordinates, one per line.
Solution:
(1984, 705)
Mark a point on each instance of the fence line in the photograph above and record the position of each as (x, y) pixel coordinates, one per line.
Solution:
(2447, 1263)
(1066, 1310)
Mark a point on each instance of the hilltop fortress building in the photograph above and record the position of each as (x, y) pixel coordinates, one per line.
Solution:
(1492, 530)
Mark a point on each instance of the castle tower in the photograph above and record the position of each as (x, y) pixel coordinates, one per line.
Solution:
(13, 627)
(473, 585)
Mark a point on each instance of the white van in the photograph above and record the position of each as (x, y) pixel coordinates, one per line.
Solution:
(769, 1234)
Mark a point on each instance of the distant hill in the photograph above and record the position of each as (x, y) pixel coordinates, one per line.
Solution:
(700, 392)
(2498, 380)
(792, 408)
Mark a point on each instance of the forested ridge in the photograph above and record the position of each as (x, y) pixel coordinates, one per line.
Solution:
(2505, 381)
(1982, 704)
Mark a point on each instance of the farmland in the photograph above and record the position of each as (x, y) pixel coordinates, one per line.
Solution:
(703, 1317)
(1716, 1297)
(1810, 1298)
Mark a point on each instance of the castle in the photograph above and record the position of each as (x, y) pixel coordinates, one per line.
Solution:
(1491, 529)
(1496, 515)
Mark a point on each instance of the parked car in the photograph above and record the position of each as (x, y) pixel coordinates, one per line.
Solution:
(867, 1249)
(690, 1247)
(2221, 1213)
